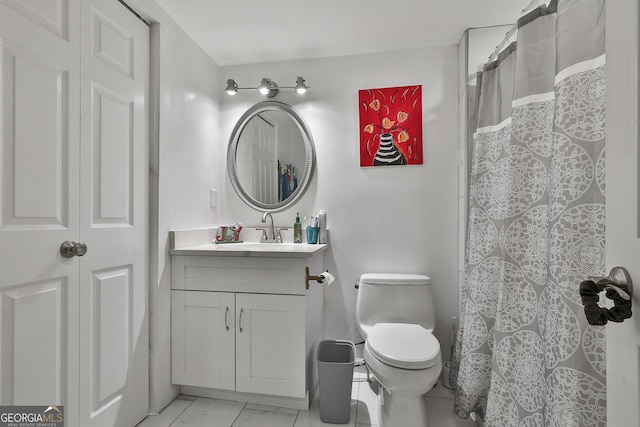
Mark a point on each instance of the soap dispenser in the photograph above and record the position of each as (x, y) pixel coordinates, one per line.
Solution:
(297, 230)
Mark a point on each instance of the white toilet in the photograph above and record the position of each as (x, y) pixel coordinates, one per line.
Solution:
(394, 313)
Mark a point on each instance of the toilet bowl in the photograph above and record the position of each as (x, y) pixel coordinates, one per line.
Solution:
(406, 361)
(394, 314)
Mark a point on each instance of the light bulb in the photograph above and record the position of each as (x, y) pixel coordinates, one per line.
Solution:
(232, 87)
(264, 86)
(301, 88)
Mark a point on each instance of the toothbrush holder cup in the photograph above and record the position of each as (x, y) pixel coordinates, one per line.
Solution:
(312, 234)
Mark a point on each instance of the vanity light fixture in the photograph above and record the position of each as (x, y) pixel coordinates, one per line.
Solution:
(267, 87)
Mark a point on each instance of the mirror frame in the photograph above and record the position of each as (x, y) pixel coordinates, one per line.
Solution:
(310, 156)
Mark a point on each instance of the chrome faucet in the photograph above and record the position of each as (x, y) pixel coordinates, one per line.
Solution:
(273, 231)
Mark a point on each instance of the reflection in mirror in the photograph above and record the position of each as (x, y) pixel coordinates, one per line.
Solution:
(271, 156)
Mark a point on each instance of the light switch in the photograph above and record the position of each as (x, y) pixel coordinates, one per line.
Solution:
(213, 198)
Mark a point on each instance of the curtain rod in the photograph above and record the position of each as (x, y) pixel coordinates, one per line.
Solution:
(507, 37)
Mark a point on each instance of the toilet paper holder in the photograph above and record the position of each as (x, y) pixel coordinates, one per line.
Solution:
(318, 278)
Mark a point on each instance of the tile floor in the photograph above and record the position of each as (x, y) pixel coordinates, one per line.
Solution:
(188, 411)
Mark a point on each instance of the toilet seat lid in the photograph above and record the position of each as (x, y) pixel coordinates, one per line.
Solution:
(403, 345)
(395, 279)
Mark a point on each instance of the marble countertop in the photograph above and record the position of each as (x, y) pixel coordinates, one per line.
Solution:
(199, 242)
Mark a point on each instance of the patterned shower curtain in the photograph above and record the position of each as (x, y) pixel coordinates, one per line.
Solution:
(525, 355)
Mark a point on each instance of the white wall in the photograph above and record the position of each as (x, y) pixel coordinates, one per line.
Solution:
(189, 147)
(185, 155)
(382, 219)
(482, 43)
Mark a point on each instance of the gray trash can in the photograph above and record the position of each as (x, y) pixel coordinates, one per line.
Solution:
(336, 359)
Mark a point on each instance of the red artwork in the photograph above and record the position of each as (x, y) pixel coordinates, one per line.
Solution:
(391, 126)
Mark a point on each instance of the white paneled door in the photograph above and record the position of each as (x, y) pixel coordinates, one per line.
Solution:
(40, 159)
(113, 215)
(258, 145)
(623, 208)
(73, 157)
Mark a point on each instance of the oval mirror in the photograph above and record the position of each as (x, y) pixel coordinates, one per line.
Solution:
(271, 156)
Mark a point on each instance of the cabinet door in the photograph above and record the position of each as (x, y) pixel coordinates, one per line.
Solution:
(203, 339)
(270, 342)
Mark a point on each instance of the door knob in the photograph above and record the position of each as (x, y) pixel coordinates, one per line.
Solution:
(618, 280)
(69, 249)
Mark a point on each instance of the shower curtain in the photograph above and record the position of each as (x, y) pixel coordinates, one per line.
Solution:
(525, 355)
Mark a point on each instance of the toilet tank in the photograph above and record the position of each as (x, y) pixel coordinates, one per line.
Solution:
(394, 298)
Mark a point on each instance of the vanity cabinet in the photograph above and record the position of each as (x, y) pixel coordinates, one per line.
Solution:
(239, 341)
(244, 326)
